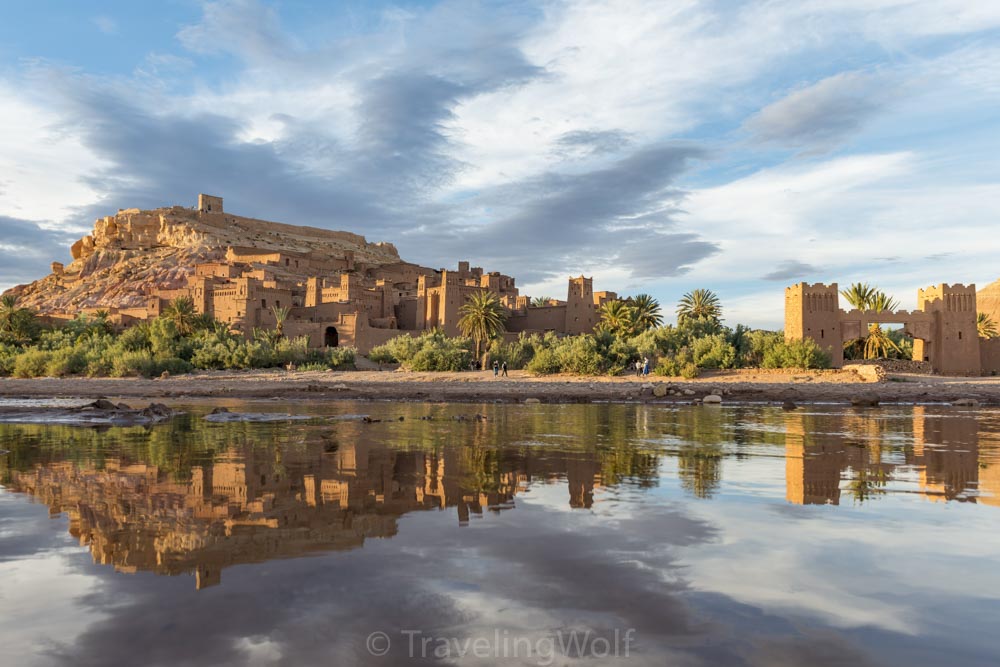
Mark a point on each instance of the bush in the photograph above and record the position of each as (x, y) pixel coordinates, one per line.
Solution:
(758, 344)
(135, 338)
(142, 363)
(340, 358)
(713, 352)
(432, 351)
(32, 363)
(67, 361)
(517, 353)
(381, 354)
(545, 362)
(804, 353)
(8, 354)
(680, 364)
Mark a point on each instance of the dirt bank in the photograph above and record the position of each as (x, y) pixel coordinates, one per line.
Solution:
(734, 386)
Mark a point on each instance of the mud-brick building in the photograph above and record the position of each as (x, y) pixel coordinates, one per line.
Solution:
(943, 326)
(337, 299)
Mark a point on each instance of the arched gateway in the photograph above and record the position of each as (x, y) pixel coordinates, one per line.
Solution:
(943, 327)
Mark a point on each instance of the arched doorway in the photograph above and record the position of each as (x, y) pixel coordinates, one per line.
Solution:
(330, 337)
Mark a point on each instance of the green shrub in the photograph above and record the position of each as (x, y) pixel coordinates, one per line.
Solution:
(381, 354)
(340, 358)
(66, 361)
(32, 363)
(713, 352)
(758, 345)
(804, 353)
(545, 362)
(142, 363)
(135, 338)
(314, 367)
(8, 354)
(680, 364)
(516, 353)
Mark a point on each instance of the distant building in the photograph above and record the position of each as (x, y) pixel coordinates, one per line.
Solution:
(334, 298)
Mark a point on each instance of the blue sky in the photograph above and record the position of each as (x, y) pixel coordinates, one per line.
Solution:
(659, 146)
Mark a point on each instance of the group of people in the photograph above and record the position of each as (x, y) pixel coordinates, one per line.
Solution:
(642, 366)
(499, 368)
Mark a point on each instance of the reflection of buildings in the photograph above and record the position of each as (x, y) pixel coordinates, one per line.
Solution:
(945, 454)
(812, 465)
(256, 504)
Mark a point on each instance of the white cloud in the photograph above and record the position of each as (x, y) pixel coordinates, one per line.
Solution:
(41, 160)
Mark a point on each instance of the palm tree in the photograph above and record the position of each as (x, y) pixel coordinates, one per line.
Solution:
(17, 325)
(882, 302)
(646, 312)
(985, 326)
(280, 315)
(617, 317)
(540, 301)
(483, 318)
(878, 344)
(182, 313)
(102, 322)
(859, 295)
(865, 297)
(8, 306)
(698, 304)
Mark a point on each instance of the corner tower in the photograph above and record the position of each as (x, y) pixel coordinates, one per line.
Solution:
(954, 344)
(813, 311)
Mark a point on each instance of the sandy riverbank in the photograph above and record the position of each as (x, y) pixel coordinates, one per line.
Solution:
(735, 386)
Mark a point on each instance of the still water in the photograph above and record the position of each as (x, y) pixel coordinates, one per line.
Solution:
(576, 534)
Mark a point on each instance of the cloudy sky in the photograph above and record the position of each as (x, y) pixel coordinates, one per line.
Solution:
(659, 146)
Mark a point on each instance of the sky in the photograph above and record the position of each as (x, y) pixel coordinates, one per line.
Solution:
(656, 146)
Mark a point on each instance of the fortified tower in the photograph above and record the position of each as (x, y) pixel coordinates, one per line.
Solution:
(813, 311)
(954, 344)
(581, 314)
(209, 204)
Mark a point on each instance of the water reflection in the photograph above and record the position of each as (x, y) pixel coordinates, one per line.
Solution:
(741, 535)
(194, 497)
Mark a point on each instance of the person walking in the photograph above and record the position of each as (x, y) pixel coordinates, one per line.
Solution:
(638, 368)
(496, 368)
(503, 367)
(645, 365)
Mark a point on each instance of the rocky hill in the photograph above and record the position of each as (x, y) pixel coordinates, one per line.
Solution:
(131, 254)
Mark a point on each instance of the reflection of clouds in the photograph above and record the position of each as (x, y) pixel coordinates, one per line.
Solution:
(847, 569)
(37, 564)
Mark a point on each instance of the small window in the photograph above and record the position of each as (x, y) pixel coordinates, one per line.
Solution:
(263, 303)
(822, 333)
(960, 335)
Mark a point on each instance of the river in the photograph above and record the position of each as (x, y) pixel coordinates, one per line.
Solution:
(505, 534)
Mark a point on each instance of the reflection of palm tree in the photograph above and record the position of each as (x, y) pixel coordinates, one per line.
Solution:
(867, 486)
(700, 469)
